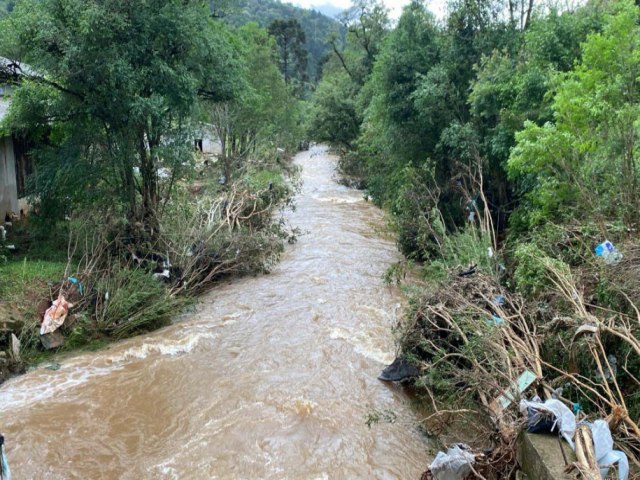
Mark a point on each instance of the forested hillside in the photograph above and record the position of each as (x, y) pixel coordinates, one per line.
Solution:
(317, 26)
(504, 143)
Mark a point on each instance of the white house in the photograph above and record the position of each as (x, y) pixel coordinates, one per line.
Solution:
(8, 180)
(14, 164)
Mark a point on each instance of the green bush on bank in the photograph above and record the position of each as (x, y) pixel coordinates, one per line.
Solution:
(129, 300)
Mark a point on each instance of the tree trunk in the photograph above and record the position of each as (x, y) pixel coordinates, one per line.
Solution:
(586, 455)
(149, 189)
(285, 62)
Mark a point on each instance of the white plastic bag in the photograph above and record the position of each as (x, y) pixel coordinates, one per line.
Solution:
(565, 419)
(602, 439)
(55, 315)
(4, 464)
(605, 454)
(453, 465)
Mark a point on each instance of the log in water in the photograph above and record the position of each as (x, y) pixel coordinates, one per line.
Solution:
(273, 376)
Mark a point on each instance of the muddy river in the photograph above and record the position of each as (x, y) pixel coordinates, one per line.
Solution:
(272, 377)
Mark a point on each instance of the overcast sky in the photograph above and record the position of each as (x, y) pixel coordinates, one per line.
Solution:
(394, 6)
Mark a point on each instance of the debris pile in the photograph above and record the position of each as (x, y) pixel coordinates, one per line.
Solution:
(477, 344)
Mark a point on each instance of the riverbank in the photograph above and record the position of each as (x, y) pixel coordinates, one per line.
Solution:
(482, 345)
(120, 281)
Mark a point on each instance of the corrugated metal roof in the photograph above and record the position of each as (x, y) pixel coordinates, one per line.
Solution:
(15, 67)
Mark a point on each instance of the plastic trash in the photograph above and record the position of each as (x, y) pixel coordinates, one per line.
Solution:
(5, 471)
(400, 369)
(453, 465)
(164, 173)
(517, 387)
(605, 454)
(609, 253)
(565, 420)
(164, 274)
(78, 283)
(499, 300)
(55, 315)
(470, 271)
(541, 421)
(472, 205)
(495, 320)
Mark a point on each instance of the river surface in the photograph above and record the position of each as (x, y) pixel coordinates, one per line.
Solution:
(272, 377)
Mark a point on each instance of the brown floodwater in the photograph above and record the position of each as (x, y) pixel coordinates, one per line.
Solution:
(272, 377)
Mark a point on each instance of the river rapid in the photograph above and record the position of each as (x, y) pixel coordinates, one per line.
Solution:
(272, 377)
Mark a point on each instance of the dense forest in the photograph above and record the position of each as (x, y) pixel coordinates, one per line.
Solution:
(316, 25)
(503, 141)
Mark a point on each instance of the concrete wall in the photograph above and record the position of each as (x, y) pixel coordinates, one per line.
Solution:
(8, 187)
(540, 457)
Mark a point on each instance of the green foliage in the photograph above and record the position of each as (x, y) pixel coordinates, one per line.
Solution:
(340, 100)
(122, 98)
(418, 221)
(366, 24)
(131, 300)
(533, 113)
(19, 278)
(6, 7)
(460, 250)
(411, 50)
(380, 416)
(447, 99)
(316, 26)
(584, 162)
(265, 115)
(292, 55)
(336, 118)
(531, 272)
(111, 101)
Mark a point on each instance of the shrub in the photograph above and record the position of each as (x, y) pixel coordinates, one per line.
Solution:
(130, 299)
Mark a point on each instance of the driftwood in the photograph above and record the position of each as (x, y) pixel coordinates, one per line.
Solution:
(585, 453)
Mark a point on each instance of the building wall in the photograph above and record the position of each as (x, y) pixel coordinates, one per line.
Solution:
(8, 186)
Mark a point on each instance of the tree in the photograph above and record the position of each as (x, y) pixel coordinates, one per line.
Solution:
(366, 23)
(114, 85)
(391, 120)
(336, 118)
(262, 112)
(584, 163)
(290, 39)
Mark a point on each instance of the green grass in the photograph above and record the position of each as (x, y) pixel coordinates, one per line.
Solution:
(19, 277)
